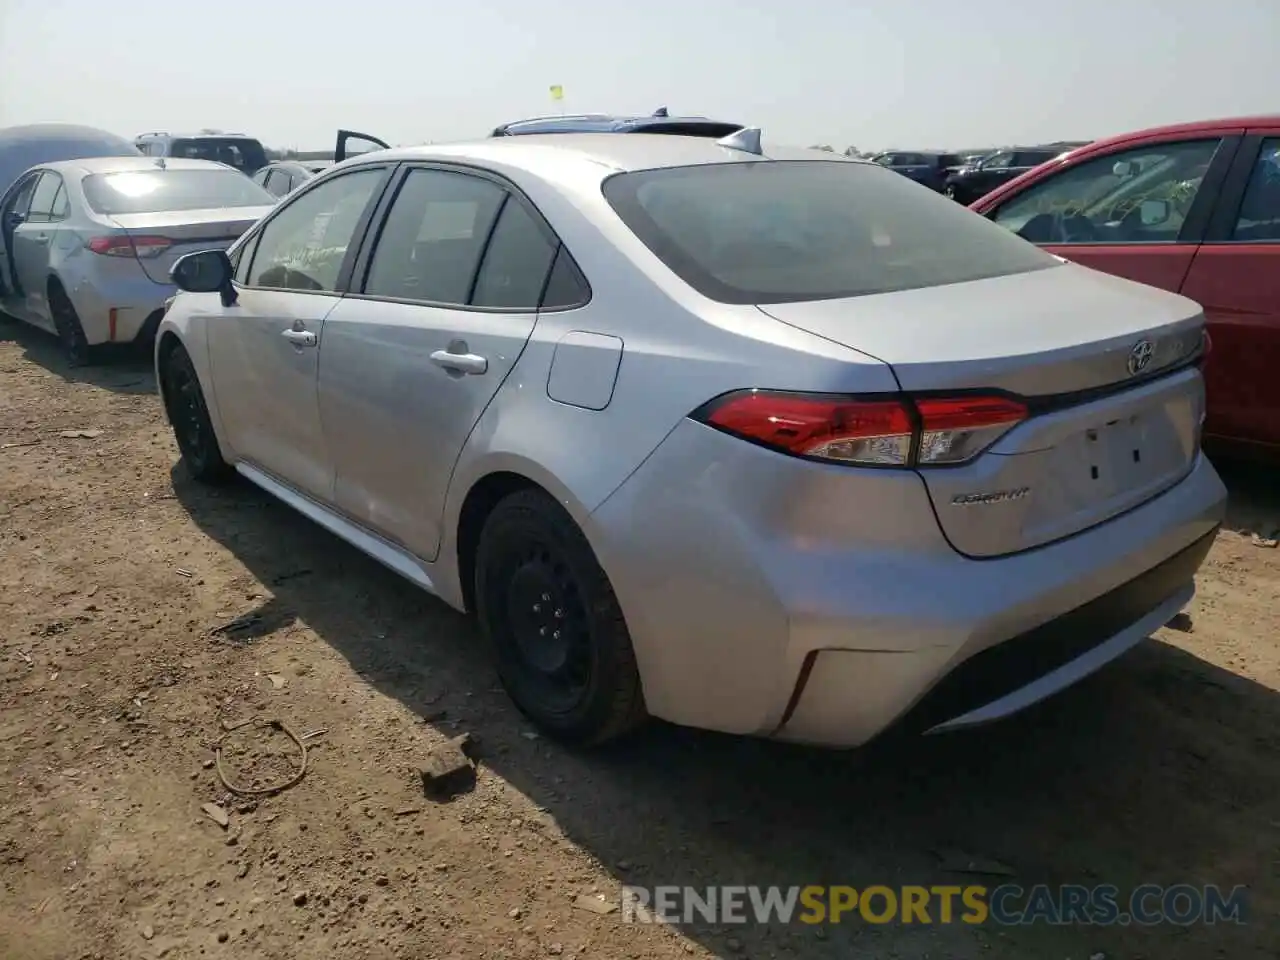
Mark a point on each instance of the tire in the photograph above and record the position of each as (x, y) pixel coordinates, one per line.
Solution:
(189, 416)
(564, 653)
(75, 346)
(951, 192)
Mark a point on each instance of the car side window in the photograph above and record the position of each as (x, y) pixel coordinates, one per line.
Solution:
(997, 161)
(242, 259)
(260, 178)
(516, 262)
(431, 242)
(42, 199)
(566, 287)
(20, 201)
(303, 246)
(61, 204)
(1259, 217)
(1141, 195)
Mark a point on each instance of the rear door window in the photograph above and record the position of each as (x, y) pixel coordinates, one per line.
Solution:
(42, 201)
(776, 232)
(1140, 195)
(431, 242)
(1259, 217)
(516, 261)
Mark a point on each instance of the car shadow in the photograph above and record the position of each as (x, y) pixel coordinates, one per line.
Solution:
(1162, 769)
(120, 368)
(1254, 507)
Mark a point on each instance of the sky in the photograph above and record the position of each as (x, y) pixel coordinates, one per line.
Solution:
(868, 73)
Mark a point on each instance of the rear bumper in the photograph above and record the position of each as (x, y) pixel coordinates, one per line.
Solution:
(138, 303)
(820, 605)
(1028, 668)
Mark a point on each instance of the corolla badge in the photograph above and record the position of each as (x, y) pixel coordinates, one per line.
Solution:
(983, 499)
(1140, 357)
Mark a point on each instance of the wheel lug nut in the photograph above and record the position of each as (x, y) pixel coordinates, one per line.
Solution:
(559, 614)
(546, 596)
(537, 608)
(542, 631)
(555, 635)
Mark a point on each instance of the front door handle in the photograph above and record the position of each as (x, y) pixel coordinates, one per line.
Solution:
(300, 338)
(460, 362)
(41, 238)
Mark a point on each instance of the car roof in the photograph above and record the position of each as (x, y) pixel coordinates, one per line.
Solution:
(608, 123)
(1192, 127)
(130, 164)
(605, 153)
(204, 135)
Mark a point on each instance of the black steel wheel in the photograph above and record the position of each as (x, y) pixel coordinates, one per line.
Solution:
(75, 346)
(563, 650)
(189, 417)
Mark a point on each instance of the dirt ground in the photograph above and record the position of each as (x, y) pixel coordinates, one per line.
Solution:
(115, 571)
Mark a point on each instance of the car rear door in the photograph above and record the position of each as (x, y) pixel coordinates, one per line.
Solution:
(34, 240)
(439, 311)
(348, 145)
(1090, 209)
(1236, 277)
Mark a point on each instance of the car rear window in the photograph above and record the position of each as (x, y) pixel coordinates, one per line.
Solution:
(243, 153)
(154, 191)
(782, 231)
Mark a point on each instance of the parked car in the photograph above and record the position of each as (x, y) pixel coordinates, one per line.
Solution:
(766, 443)
(88, 243)
(930, 169)
(660, 121)
(969, 183)
(1192, 208)
(237, 150)
(283, 176)
(22, 148)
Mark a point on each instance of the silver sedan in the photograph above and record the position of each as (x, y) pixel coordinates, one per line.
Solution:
(770, 442)
(86, 245)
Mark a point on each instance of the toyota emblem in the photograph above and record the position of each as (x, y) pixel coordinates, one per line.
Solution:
(1140, 357)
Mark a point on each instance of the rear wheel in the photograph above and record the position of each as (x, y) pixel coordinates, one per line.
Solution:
(564, 653)
(75, 346)
(189, 416)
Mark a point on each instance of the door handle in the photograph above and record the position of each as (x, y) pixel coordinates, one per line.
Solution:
(300, 338)
(41, 238)
(460, 362)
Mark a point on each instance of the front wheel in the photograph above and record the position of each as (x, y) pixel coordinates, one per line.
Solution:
(189, 416)
(951, 192)
(564, 653)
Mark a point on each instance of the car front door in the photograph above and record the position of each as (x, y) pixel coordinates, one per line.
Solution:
(1236, 277)
(32, 243)
(345, 149)
(439, 312)
(264, 348)
(13, 212)
(1138, 212)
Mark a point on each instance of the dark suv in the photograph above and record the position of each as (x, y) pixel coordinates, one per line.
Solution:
(236, 150)
(929, 168)
(969, 183)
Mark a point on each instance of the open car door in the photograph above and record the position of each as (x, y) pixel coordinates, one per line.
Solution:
(341, 151)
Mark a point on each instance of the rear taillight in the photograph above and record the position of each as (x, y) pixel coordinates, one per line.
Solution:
(897, 431)
(123, 245)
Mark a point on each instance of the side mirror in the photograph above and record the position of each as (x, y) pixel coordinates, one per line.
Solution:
(1152, 213)
(208, 271)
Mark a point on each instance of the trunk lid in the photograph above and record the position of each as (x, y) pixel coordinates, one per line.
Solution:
(189, 231)
(1100, 439)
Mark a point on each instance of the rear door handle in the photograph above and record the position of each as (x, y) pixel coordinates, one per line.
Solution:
(460, 362)
(300, 338)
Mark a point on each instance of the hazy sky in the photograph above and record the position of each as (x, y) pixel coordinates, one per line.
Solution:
(872, 73)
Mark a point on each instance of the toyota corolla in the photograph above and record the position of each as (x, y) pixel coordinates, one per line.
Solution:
(765, 441)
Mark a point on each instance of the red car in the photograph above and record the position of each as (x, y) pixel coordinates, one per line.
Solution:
(1192, 208)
